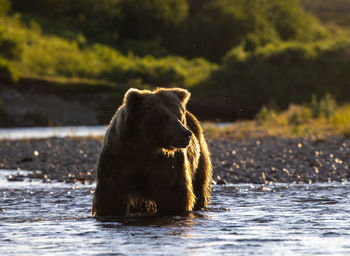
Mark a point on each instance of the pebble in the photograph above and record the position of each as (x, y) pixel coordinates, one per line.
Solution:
(247, 160)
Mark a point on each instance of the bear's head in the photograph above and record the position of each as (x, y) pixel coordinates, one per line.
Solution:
(158, 118)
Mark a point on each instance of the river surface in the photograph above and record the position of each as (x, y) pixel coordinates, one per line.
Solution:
(55, 131)
(64, 131)
(280, 219)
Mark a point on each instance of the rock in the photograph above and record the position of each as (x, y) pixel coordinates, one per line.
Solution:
(17, 177)
(234, 160)
(221, 182)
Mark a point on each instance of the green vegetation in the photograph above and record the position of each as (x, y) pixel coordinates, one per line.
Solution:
(48, 55)
(196, 28)
(8, 75)
(295, 121)
(316, 118)
(240, 55)
(4, 7)
(283, 73)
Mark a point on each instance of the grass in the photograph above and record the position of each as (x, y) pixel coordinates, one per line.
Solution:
(296, 121)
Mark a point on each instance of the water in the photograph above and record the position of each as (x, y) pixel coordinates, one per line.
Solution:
(46, 132)
(65, 131)
(279, 219)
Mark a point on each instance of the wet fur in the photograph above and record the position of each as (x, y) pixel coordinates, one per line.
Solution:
(139, 169)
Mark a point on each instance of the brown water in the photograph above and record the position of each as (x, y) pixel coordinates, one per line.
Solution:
(245, 219)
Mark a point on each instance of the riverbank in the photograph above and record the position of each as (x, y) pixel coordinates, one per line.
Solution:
(244, 160)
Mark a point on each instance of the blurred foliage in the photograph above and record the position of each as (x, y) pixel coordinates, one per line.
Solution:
(49, 55)
(265, 114)
(282, 73)
(191, 28)
(152, 19)
(4, 7)
(8, 74)
(95, 17)
(10, 45)
(325, 107)
(215, 26)
(300, 120)
(242, 54)
(295, 121)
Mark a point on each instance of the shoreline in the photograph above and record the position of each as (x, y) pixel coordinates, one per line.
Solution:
(244, 160)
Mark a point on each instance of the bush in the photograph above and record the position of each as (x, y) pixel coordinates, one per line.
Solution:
(55, 56)
(108, 21)
(325, 107)
(152, 19)
(265, 115)
(8, 75)
(341, 117)
(297, 115)
(282, 73)
(213, 27)
(191, 28)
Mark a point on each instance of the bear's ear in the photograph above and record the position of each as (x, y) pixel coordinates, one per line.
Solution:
(183, 94)
(132, 98)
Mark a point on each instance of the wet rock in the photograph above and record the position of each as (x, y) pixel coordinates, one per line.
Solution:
(221, 182)
(16, 177)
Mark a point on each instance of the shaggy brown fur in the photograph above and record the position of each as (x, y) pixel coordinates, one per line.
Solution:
(154, 157)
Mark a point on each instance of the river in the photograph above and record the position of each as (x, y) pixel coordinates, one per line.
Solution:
(243, 219)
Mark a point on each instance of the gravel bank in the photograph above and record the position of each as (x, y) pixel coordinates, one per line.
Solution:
(248, 160)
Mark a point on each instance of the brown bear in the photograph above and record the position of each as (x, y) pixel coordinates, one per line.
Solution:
(154, 157)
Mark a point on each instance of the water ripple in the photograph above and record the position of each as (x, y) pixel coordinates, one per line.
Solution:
(245, 219)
